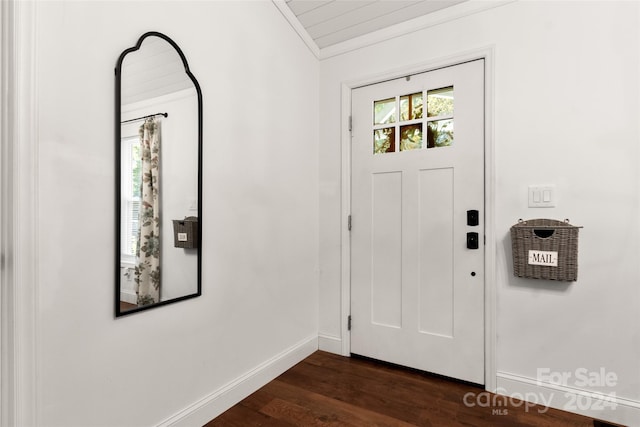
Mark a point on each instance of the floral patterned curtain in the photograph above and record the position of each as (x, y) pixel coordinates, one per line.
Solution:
(147, 271)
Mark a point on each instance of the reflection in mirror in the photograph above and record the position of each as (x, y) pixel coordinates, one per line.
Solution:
(158, 176)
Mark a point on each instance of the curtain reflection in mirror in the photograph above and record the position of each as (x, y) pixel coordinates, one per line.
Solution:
(147, 269)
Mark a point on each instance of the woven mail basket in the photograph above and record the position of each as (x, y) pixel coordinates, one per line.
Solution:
(185, 233)
(545, 238)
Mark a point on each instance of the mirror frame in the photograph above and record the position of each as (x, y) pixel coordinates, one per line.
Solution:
(118, 169)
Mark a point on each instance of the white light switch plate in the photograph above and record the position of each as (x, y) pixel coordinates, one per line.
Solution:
(542, 196)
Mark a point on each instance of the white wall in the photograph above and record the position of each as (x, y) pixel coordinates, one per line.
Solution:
(566, 108)
(258, 312)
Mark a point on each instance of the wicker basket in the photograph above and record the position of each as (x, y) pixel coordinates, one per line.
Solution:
(545, 249)
(185, 233)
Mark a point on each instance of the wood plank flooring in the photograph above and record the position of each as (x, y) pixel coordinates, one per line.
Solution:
(330, 390)
(124, 306)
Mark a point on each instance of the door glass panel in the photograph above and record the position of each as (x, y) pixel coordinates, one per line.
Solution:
(440, 133)
(411, 106)
(403, 117)
(411, 137)
(384, 111)
(440, 102)
(384, 140)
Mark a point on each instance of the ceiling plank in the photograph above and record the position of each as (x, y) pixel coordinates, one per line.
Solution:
(358, 16)
(299, 7)
(345, 32)
(330, 11)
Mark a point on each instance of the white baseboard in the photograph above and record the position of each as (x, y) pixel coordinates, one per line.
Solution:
(206, 409)
(330, 343)
(129, 296)
(605, 405)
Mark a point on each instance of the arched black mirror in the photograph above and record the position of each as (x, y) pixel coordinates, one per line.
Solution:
(158, 139)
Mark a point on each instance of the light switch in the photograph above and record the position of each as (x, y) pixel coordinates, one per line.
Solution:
(536, 196)
(542, 196)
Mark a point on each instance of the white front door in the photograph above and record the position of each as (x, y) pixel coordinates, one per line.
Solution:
(417, 284)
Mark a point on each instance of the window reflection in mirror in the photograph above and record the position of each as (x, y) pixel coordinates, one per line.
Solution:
(158, 155)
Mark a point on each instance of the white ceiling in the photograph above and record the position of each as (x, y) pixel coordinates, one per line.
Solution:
(329, 22)
(154, 70)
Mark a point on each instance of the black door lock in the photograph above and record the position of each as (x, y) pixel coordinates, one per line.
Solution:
(472, 241)
(473, 217)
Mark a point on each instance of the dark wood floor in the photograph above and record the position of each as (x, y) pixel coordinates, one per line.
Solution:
(330, 390)
(124, 306)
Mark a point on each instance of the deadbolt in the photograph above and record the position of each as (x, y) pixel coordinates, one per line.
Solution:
(472, 240)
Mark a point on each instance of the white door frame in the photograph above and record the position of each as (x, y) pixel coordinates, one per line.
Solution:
(18, 217)
(489, 197)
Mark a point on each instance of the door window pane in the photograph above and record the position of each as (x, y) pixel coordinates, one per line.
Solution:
(440, 133)
(411, 137)
(440, 102)
(384, 111)
(411, 106)
(403, 117)
(384, 140)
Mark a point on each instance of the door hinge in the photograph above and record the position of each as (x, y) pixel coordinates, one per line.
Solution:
(349, 223)
(349, 323)
(350, 123)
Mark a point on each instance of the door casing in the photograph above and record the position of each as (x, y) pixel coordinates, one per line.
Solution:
(489, 197)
